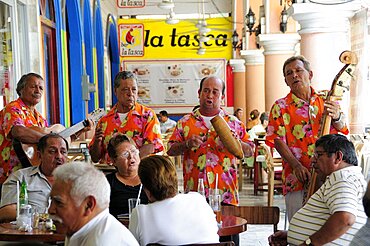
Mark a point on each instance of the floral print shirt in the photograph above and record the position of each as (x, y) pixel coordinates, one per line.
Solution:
(211, 158)
(140, 124)
(16, 113)
(297, 123)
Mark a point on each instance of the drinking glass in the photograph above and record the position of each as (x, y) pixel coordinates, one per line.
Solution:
(132, 202)
(215, 203)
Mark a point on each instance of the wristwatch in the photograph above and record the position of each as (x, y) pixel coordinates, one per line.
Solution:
(308, 242)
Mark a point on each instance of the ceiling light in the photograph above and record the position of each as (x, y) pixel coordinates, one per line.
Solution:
(166, 4)
(171, 21)
(201, 51)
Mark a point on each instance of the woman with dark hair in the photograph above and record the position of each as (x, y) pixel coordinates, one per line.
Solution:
(125, 183)
(238, 113)
(170, 218)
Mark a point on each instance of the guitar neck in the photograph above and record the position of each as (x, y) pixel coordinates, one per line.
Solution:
(72, 130)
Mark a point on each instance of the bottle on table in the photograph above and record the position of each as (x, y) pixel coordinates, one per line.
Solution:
(23, 194)
(201, 189)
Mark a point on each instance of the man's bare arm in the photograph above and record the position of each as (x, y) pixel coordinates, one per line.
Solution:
(8, 213)
(26, 134)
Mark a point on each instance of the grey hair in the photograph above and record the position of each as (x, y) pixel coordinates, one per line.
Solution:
(123, 75)
(24, 79)
(85, 181)
(306, 63)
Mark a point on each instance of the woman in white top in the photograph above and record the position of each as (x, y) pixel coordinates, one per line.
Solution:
(170, 218)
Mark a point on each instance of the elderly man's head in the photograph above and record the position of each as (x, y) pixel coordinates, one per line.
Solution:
(297, 73)
(53, 151)
(30, 88)
(333, 152)
(79, 193)
(126, 90)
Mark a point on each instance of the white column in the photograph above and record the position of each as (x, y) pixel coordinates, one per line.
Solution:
(277, 48)
(325, 34)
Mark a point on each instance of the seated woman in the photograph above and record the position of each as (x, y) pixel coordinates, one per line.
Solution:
(170, 218)
(125, 183)
(259, 129)
(253, 119)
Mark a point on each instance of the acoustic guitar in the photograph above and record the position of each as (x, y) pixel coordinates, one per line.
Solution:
(27, 153)
(339, 86)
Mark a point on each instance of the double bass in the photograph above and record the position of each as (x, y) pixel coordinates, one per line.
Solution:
(339, 86)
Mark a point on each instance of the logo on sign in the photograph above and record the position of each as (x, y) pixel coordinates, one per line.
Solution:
(132, 40)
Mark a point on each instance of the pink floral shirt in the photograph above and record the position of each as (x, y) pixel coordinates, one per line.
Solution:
(297, 123)
(211, 157)
(16, 113)
(141, 124)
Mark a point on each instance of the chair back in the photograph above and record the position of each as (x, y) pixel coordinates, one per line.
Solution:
(260, 215)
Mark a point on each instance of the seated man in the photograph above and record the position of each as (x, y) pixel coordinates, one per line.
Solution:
(334, 213)
(167, 125)
(80, 198)
(362, 237)
(52, 150)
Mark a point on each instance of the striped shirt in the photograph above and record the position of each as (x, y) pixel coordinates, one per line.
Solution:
(342, 192)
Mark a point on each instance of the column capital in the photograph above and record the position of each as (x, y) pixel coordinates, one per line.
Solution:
(253, 57)
(315, 18)
(237, 65)
(278, 43)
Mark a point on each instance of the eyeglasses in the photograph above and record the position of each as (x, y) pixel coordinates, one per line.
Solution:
(128, 153)
(317, 155)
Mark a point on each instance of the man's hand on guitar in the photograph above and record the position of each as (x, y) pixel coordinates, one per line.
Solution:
(333, 109)
(302, 173)
(99, 134)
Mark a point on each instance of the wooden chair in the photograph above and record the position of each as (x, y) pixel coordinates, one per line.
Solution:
(274, 172)
(259, 215)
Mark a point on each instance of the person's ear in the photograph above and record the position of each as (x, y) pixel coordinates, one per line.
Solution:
(89, 205)
(338, 156)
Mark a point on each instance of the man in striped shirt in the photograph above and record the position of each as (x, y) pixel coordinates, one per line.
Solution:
(335, 212)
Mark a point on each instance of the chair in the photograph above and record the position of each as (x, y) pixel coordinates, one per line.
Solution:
(259, 215)
(274, 172)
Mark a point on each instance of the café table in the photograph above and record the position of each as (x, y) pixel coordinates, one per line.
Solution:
(8, 232)
(231, 225)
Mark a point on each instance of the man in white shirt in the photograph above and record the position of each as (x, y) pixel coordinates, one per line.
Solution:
(80, 198)
(167, 125)
(334, 213)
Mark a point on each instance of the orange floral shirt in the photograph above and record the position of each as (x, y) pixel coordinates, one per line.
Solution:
(16, 113)
(297, 123)
(140, 124)
(211, 157)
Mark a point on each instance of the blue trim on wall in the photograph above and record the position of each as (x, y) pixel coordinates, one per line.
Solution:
(89, 45)
(58, 29)
(99, 44)
(114, 49)
(75, 60)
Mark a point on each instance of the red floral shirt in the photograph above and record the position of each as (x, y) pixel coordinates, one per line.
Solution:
(297, 123)
(16, 113)
(211, 157)
(140, 124)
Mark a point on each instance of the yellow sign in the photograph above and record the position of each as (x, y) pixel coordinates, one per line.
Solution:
(155, 39)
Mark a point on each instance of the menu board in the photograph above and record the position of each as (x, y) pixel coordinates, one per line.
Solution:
(173, 82)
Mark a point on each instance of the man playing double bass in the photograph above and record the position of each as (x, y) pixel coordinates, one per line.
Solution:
(16, 119)
(294, 126)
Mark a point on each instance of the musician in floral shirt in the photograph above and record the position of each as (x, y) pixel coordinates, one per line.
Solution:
(294, 126)
(205, 155)
(16, 118)
(128, 117)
